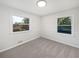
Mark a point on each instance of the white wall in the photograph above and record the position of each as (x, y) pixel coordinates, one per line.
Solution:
(7, 37)
(49, 27)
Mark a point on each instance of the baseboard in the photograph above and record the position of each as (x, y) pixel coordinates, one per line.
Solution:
(6, 49)
(66, 43)
(47, 37)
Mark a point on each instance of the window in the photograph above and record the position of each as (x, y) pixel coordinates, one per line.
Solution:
(20, 24)
(64, 25)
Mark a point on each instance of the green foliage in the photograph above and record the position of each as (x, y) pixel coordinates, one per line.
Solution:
(64, 21)
(26, 20)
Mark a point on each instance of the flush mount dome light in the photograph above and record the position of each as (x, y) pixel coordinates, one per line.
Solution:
(41, 3)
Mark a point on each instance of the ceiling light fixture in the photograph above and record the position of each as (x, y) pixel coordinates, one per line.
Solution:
(41, 3)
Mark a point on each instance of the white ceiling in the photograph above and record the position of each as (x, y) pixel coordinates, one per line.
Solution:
(52, 5)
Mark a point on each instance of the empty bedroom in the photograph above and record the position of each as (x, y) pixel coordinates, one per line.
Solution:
(39, 28)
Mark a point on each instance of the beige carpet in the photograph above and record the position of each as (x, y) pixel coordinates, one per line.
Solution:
(41, 48)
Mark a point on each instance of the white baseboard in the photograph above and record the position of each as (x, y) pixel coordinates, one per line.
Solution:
(47, 37)
(18, 44)
(67, 43)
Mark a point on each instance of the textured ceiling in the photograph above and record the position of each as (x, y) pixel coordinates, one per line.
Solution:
(52, 5)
